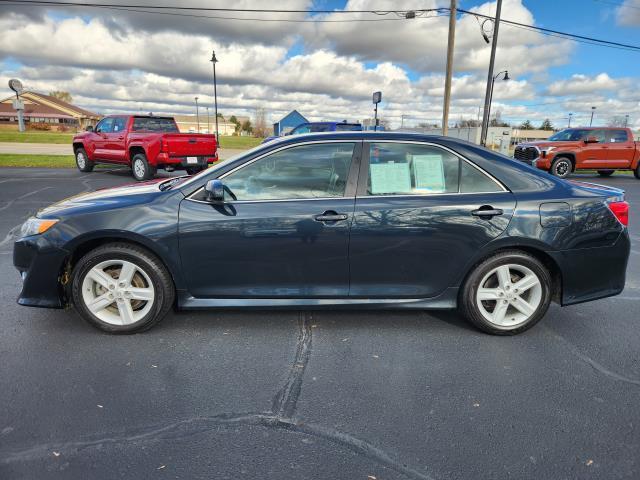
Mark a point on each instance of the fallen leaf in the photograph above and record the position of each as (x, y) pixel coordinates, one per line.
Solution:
(100, 406)
(56, 454)
(375, 356)
(476, 404)
(371, 477)
(589, 462)
(161, 467)
(345, 339)
(154, 366)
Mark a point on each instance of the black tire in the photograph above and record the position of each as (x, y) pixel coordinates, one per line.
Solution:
(468, 301)
(561, 167)
(147, 263)
(82, 160)
(194, 170)
(141, 169)
(636, 172)
(605, 173)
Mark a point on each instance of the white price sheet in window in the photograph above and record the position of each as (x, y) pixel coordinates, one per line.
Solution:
(390, 178)
(428, 172)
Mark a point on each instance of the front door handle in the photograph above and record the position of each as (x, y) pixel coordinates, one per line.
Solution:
(487, 211)
(331, 216)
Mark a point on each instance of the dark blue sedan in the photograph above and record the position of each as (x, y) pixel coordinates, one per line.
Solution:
(354, 219)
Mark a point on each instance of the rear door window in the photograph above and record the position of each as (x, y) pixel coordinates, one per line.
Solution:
(414, 169)
(617, 136)
(119, 124)
(599, 134)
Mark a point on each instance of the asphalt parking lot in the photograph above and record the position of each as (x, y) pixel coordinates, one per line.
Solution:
(292, 395)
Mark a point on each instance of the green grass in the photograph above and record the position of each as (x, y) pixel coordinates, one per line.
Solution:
(41, 161)
(35, 137)
(65, 138)
(228, 141)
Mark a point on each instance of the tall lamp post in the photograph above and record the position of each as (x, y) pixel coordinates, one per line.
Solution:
(492, 58)
(214, 60)
(570, 115)
(488, 106)
(197, 116)
(593, 109)
(377, 98)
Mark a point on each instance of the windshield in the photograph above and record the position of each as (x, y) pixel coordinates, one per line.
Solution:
(154, 124)
(569, 134)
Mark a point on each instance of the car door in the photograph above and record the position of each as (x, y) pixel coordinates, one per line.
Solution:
(595, 154)
(286, 232)
(100, 138)
(115, 140)
(621, 149)
(419, 220)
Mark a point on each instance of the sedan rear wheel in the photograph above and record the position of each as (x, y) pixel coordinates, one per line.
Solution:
(121, 288)
(507, 293)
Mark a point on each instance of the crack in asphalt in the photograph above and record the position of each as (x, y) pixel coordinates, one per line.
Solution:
(285, 401)
(590, 361)
(281, 416)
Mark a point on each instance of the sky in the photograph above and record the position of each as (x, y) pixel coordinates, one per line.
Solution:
(131, 60)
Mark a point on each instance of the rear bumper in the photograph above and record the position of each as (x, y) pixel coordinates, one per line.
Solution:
(184, 162)
(40, 266)
(593, 273)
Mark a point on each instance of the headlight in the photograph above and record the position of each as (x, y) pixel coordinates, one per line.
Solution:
(36, 226)
(547, 149)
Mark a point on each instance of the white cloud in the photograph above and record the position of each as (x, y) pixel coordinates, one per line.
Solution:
(628, 13)
(583, 84)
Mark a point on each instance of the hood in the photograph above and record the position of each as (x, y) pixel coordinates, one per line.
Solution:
(105, 199)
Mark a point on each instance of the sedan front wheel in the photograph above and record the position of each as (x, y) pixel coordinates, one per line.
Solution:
(507, 293)
(121, 288)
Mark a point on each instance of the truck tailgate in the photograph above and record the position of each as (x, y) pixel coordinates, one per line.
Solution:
(187, 145)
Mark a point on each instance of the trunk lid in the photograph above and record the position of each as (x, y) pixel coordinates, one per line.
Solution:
(596, 189)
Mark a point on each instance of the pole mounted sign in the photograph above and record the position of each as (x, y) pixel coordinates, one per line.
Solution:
(18, 105)
(377, 98)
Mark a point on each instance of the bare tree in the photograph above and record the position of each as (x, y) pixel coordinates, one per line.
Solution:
(61, 95)
(617, 121)
(260, 128)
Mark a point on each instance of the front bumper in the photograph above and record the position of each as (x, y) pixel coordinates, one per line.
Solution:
(40, 265)
(593, 273)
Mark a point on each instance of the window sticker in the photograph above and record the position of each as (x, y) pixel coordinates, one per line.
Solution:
(390, 178)
(428, 172)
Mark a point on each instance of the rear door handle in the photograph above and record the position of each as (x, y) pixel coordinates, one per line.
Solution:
(487, 212)
(331, 216)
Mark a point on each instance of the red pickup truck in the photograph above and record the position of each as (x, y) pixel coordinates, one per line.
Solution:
(592, 148)
(144, 143)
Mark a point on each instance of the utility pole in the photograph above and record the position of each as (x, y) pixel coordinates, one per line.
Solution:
(626, 120)
(487, 95)
(214, 60)
(593, 109)
(447, 83)
(570, 115)
(197, 115)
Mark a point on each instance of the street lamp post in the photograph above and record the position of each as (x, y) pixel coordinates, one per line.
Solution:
(626, 120)
(214, 60)
(570, 115)
(493, 81)
(593, 109)
(197, 116)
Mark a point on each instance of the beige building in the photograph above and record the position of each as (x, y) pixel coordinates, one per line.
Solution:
(191, 124)
(519, 135)
(44, 112)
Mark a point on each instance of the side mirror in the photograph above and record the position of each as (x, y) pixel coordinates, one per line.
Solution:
(214, 190)
(591, 139)
(89, 128)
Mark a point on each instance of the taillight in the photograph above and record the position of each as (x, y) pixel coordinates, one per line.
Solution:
(164, 146)
(621, 211)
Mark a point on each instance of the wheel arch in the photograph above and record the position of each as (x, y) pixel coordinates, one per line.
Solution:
(84, 244)
(77, 145)
(531, 248)
(568, 155)
(134, 150)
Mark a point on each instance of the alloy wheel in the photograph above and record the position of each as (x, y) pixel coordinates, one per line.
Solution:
(563, 168)
(139, 168)
(509, 295)
(80, 158)
(118, 292)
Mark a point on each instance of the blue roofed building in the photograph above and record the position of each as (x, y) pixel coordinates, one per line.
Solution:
(288, 122)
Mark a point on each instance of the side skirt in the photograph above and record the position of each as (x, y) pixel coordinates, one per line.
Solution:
(445, 301)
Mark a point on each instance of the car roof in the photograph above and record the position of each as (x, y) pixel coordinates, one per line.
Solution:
(361, 135)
